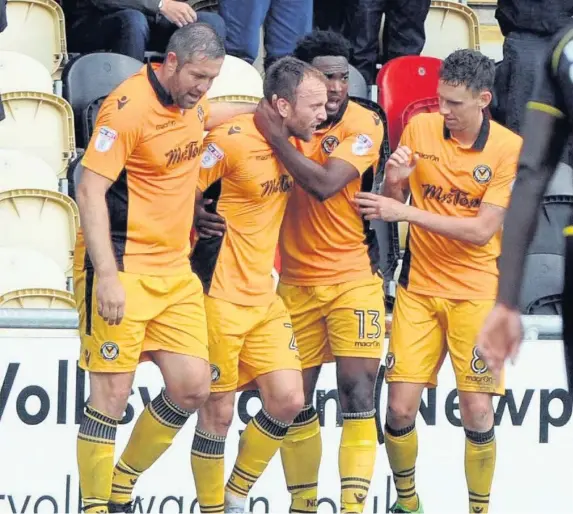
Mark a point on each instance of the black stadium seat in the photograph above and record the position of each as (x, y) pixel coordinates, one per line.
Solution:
(544, 265)
(91, 77)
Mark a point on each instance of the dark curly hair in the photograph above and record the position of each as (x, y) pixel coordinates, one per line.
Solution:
(469, 68)
(320, 43)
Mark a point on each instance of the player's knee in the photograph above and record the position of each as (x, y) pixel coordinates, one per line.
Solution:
(109, 393)
(477, 411)
(216, 414)
(356, 393)
(190, 395)
(400, 414)
(285, 405)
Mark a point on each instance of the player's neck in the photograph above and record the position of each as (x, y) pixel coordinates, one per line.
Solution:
(467, 136)
(161, 78)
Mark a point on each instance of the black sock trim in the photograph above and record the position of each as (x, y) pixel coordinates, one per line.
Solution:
(269, 425)
(209, 444)
(481, 437)
(166, 412)
(401, 432)
(96, 425)
(306, 415)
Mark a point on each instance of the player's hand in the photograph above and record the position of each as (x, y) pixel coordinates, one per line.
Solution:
(110, 296)
(400, 164)
(179, 13)
(373, 206)
(269, 122)
(500, 338)
(209, 224)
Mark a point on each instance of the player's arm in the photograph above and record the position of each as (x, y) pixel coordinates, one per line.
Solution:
(546, 129)
(114, 138)
(400, 166)
(217, 161)
(477, 230)
(221, 112)
(353, 156)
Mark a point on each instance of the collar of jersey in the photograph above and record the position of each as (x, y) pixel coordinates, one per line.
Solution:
(481, 140)
(336, 118)
(162, 95)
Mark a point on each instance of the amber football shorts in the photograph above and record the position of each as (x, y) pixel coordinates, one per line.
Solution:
(342, 320)
(246, 342)
(161, 313)
(424, 328)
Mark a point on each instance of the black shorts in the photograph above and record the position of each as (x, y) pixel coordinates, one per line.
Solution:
(567, 312)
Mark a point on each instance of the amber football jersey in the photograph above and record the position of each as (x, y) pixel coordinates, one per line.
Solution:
(151, 150)
(325, 243)
(254, 189)
(454, 180)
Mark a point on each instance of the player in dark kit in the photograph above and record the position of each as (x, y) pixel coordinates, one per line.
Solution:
(548, 124)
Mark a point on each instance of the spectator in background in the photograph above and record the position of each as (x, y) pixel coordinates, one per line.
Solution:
(360, 20)
(284, 21)
(130, 27)
(528, 27)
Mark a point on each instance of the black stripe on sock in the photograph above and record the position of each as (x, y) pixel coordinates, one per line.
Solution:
(209, 444)
(355, 479)
(166, 412)
(359, 415)
(305, 416)
(270, 426)
(247, 477)
(401, 432)
(354, 486)
(479, 495)
(215, 509)
(239, 491)
(481, 437)
(97, 425)
(301, 487)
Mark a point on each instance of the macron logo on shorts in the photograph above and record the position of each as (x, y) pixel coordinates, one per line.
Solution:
(105, 139)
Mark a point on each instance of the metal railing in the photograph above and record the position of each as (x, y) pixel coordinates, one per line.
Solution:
(535, 327)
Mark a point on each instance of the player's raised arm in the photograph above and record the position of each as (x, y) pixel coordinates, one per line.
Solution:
(349, 160)
(221, 112)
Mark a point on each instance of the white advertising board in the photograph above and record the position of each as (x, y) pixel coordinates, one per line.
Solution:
(42, 393)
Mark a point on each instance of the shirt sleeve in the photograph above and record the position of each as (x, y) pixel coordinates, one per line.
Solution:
(361, 147)
(499, 190)
(115, 136)
(216, 161)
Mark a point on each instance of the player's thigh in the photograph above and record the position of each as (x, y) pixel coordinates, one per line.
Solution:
(181, 325)
(356, 319)
(465, 320)
(417, 340)
(270, 346)
(227, 325)
(111, 348)
(308, 324)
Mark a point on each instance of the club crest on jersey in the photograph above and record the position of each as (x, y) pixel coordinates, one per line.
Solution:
(329, 144)
(105, 139)
(109, 351)
(211, 156)
(482, 174)
(362, 144)
(200, 113)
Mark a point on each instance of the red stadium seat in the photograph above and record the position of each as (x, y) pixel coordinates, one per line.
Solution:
(418, 106)
(401, 82)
